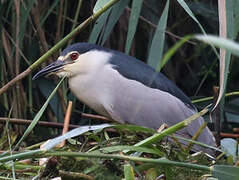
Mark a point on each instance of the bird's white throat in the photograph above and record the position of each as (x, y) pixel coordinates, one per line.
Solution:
(90, 84)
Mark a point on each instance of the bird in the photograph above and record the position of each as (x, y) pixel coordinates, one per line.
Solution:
(125, 89)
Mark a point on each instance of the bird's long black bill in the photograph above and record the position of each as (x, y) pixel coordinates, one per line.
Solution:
(53, 67)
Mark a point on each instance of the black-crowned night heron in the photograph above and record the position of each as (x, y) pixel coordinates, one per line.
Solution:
(125, 89)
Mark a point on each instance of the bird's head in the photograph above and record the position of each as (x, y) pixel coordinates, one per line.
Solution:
(76, 59)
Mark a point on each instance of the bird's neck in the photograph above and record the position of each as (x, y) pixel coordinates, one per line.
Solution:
(91, 90)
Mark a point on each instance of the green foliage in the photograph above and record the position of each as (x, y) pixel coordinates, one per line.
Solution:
(128, 172)
(133, 22)
(104, 163)
(157, 46)
(30, 28)
(38, 115)
(224, 172)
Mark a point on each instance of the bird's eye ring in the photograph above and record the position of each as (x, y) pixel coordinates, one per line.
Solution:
(74, 56)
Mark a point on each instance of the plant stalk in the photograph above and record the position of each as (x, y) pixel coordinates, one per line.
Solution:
(172, 129)
(59, 45)
(161, 161)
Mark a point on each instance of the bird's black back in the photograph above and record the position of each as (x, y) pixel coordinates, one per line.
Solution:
(135, 69)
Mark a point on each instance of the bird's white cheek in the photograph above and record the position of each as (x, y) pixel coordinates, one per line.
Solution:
(68, 70)
(74, 69)
(63, 73)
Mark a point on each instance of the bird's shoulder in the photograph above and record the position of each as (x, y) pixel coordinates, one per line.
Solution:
(135, 69)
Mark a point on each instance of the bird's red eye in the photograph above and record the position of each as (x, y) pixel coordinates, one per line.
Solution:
(74, 56)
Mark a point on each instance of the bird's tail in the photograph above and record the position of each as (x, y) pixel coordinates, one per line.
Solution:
(206, 136)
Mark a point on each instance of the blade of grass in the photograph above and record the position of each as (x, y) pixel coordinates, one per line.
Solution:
(172, 129)
(222, 172)
(46, 87)
(98, 27)
(226, 29)
(99, 4)
(157, 46)
(134, 128)
(172, 51)
(23, 155)
(41, 153)
(236, 93)
(12, 164)
(128, 172)
(198, 143)
(133, 22)
(7, 178)
(24, 16)
(220, 42)
(100, 22)
(49, 11)
(130, 148)
(115, 14)
(190, 13)
(76, 17)
(30, 96)
(75, 132)
(38, 115)
(236, 18)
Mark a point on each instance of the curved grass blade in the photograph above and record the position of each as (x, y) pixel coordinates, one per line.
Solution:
(98, 27)
(220, 42)
(210, 98)
(134, 128)
(172, 51)
(76, 16)
(226, 29)
(236, 18)
(156, 49)
(161, 161)
(190, 13)
(199, 143)
(100, 22)
(24, 17)
(172, 129)
(39, 114)
(49, 11)
(133, 22)
(225, 172)
(99, 4)
(128, 172)
(22, 155)
(75, 132)
(131, 148)
(46, 87)
(115, 14)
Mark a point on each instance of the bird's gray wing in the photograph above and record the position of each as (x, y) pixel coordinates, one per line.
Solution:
(134, 69)
(138, 104)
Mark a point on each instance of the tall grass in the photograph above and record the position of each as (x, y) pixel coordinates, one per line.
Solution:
(34, 32)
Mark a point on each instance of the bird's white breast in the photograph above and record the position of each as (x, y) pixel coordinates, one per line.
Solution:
(91, 85)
